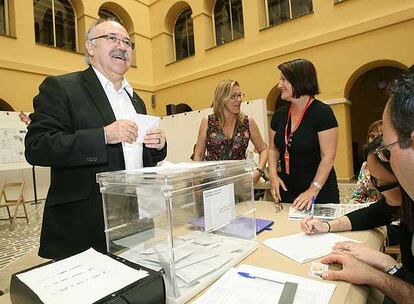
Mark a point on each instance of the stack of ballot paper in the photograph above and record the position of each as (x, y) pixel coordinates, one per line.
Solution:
(303, 248)
(264, 287)
(325, 211)
(196, 256)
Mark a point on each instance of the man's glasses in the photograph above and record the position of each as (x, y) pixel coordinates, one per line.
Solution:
(114, 39)
(237, 96)
(384, 152)
(382, 188)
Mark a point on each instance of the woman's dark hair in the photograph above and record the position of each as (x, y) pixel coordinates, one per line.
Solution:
(301, 73)
(372, 147)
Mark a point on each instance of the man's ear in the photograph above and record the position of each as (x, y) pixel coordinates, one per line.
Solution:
(89, 48)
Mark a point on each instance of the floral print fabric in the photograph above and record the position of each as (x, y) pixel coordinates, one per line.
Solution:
(220, 147)
(362, 192)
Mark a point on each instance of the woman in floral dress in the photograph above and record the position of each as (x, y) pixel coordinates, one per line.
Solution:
(225, 134)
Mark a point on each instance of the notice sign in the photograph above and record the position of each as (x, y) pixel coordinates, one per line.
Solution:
(219, 206)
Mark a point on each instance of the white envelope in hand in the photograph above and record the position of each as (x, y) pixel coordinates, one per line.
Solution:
(145, 123)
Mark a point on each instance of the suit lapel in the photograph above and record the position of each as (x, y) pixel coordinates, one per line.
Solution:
(137, 103)
(98, 96)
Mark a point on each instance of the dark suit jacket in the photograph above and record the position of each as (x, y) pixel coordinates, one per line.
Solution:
(66, 134)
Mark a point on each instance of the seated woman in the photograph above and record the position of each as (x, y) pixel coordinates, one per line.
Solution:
(378, 214)
(362, 192)
(225, 134)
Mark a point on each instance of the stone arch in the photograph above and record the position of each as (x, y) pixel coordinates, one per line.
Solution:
(173, 13)
(168, 27)
(5, 106)
(273, 100)
(366, 89)
(369, 66)
(122, 13)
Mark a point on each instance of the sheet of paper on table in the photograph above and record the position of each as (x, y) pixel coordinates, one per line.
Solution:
(303, 248)
(232, 288)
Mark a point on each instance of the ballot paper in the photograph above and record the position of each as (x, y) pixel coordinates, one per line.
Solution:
(199, 256)
(232, 288)
(83, 278)
(169, 167)
(145, 123)
(303, 248)
(317, 269)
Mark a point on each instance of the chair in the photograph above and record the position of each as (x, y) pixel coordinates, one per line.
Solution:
(7, 201)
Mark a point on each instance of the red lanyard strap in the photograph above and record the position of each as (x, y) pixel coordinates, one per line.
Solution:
(287, 138)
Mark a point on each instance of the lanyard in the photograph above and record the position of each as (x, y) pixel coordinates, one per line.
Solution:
(288, 138)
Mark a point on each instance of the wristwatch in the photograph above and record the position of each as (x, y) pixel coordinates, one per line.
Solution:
(317, 185)
(260, 170)
(394, 268)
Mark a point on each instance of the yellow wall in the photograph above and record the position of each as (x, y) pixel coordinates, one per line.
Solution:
(342, 40)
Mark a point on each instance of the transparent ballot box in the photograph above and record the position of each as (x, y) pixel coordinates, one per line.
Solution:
(191, 221)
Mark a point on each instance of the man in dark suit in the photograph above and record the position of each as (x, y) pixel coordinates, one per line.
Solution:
(81, 126)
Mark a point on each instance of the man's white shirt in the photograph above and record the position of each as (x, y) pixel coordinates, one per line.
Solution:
(122, 107)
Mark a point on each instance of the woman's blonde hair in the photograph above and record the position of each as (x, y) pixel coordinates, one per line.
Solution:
(222, 95)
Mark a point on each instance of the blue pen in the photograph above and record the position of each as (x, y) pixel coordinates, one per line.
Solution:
(249, 276)
(313, 206)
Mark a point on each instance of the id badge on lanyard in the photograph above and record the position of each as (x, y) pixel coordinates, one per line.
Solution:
(287, 162)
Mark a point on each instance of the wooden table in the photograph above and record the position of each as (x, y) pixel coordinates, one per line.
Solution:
(268, 258)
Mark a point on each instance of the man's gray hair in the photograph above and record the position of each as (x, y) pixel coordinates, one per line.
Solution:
(90, 34)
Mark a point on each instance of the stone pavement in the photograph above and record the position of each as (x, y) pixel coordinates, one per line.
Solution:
(23, 238)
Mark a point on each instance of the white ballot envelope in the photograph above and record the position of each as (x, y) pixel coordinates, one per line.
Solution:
(145, 123)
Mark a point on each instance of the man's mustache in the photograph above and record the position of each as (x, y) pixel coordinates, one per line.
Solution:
(118, 53)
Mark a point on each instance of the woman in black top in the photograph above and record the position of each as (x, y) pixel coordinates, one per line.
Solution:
(378, 214)
(310, 130)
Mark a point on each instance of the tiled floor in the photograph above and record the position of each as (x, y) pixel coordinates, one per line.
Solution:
(23, 238)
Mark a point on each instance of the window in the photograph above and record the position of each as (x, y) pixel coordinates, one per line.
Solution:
(228, 20)
(184, 35)
(107, 14)
(283, 10)
(3, 17)
(55, 23)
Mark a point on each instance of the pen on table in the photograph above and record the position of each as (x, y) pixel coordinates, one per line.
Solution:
(249, 276)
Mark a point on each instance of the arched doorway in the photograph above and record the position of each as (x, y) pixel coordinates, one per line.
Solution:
(367, 91)
(4, 106)
(182, 108)
(273, 102)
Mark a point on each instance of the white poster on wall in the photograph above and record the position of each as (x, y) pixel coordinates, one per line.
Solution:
(12, 145)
